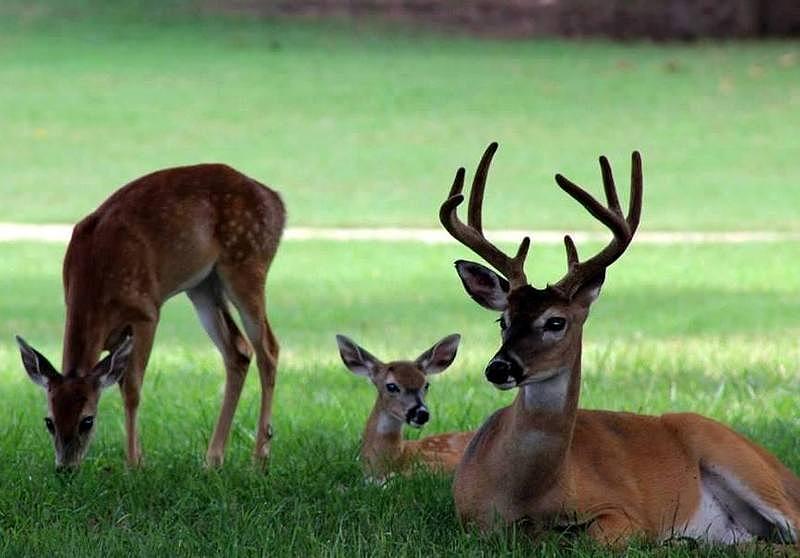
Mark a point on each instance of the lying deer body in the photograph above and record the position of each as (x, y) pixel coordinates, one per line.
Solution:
(402, 386)
(206, 230)
(619, 475)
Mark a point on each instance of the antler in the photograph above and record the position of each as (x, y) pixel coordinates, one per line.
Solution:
(611, 216)
(471, 235)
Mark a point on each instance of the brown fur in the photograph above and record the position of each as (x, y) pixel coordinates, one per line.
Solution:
(544, 462)
(385, 453)
(205, 229)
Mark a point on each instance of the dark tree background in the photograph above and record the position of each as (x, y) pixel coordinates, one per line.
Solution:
(621, 19)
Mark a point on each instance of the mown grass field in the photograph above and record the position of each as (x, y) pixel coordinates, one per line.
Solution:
(364, 126)
(707, 328)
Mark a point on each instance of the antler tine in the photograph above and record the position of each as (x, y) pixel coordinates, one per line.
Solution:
(637, 183)
(623, 227)
(474, 218)
(458, 183)
(609, 187)
(471, 235)
(572, 253)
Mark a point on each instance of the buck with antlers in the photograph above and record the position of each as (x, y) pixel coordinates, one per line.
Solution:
(617, 475)
(206, 230)
(402, 386)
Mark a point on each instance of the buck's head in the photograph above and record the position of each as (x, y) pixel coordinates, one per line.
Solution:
(72, 399)
(540, 328)
(401, 384)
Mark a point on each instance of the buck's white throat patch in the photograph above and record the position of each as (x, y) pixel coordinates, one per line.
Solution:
(548, 393)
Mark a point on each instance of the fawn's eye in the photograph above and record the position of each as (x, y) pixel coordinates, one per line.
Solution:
(427, 386)
(555, 324)
(48, 422)
(392, 388)
(86, 424)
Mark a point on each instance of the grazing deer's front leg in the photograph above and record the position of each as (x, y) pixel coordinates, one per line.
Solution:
(212, 309)
(131, 387)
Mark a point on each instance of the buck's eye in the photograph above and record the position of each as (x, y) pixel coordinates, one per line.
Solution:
(392, 388)
(48, 422)
(427, 386)
(86, 424)
(555, 324)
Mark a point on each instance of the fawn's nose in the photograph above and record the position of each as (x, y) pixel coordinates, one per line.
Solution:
(418, 416)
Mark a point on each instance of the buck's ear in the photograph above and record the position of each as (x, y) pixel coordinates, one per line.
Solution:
(357, 359)
(39, 369)
(486, 287)
(588, 292)
(440, 356)
(109, 371)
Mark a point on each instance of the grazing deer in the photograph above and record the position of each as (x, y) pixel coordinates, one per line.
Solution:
(402, 386)
(206, 230)
(617, 475)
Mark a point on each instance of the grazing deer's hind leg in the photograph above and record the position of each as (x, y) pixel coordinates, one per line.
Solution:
(211, 306)
(131, 386)
(245, 286)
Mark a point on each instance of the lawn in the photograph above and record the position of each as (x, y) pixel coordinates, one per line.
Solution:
(707, 328)
(366, 126)
(360, 125)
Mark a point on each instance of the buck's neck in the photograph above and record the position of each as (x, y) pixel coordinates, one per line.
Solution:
(543, 421)
(382, 443)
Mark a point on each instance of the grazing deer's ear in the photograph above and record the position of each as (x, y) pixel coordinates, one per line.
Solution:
(357, 359)
(39, 369)
(440, 356)
(486, 287)
(588, 292)
(109, 371)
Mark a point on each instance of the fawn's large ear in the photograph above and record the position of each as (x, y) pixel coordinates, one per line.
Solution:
(588, 292)
(109, 371)
(357, 359)
(486, 287)
(440, 356)
(39, 369)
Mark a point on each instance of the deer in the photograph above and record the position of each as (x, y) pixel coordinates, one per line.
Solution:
(544, 463)
(206, 230)
(401, 388)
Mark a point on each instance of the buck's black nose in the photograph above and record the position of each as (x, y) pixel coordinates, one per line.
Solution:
(500, 371)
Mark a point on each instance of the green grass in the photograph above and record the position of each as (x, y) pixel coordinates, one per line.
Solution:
(361, 125)
(358, 125)
(707, 328)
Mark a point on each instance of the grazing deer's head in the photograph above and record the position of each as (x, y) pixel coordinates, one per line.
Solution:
(541, 328)
(72, 399)
(401, 384)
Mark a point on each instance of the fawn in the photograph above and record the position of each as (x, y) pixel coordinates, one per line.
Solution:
(402, 386)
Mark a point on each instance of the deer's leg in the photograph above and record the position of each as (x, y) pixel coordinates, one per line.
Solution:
(245, 285)
(211, 307)
(131, 387)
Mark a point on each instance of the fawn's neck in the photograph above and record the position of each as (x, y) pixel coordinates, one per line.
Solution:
(382, 444)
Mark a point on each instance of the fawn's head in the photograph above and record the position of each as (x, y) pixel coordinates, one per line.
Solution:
(401, 384)
(540, 328)
(72, 399)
